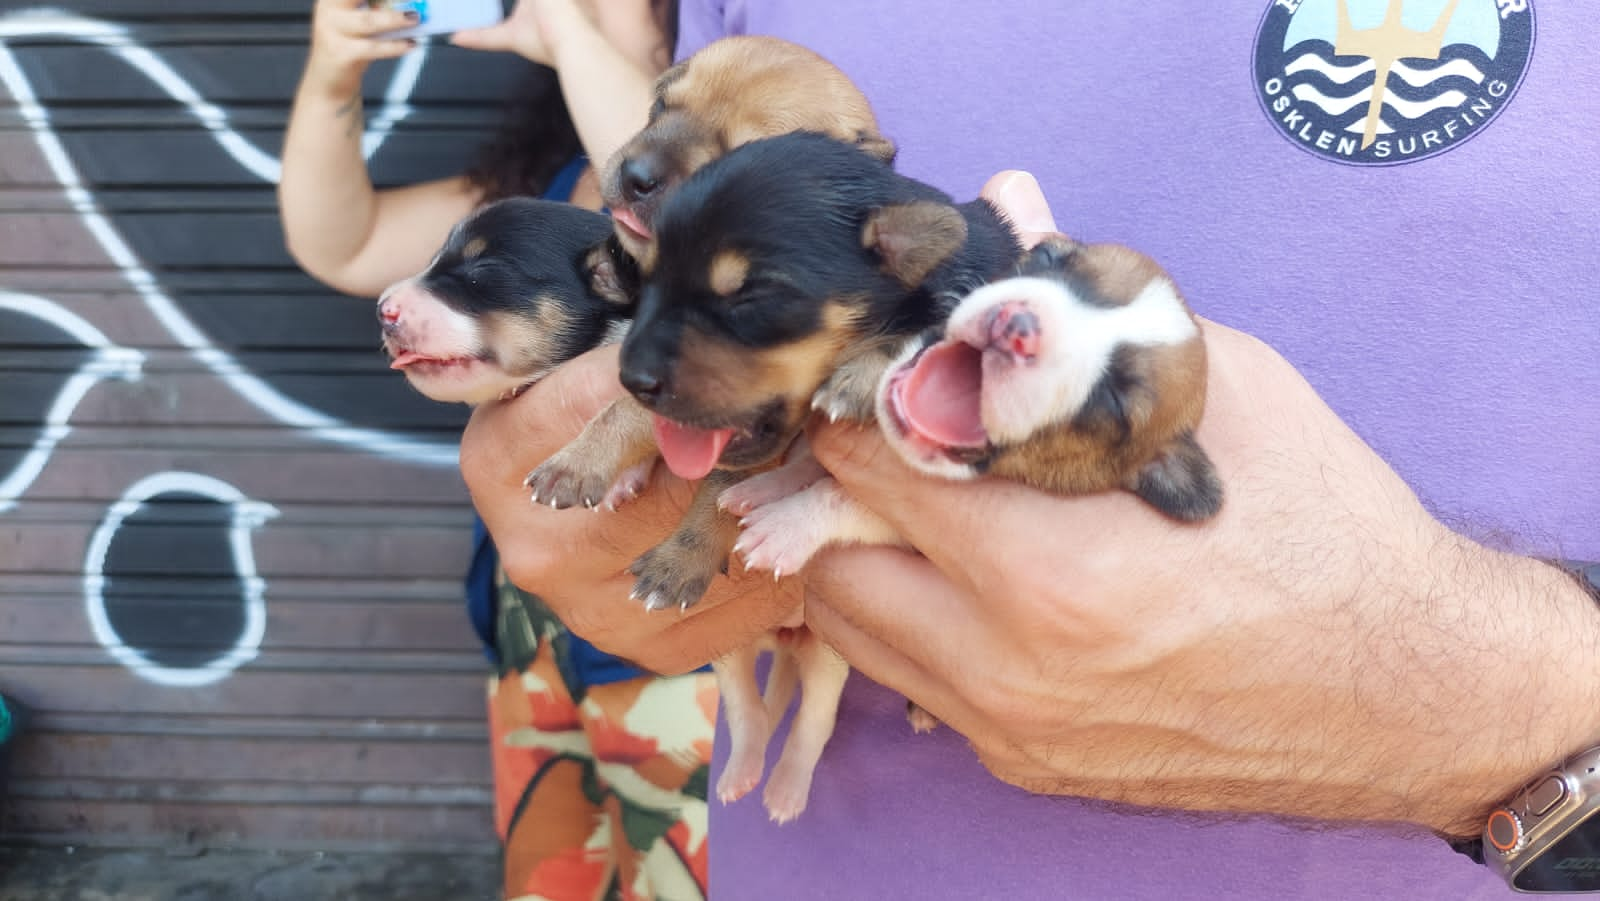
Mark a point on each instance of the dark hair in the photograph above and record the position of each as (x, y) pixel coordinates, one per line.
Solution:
(536, 137)
(534, 140)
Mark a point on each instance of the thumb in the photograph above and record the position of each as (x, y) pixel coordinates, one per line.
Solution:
(1019, 196)
(491, 37)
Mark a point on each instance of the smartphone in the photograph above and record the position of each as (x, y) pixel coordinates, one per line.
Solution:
(443, 16)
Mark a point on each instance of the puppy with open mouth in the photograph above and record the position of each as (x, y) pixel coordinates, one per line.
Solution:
(1084, 372)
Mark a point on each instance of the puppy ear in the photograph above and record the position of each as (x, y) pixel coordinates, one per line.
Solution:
(877, 146)
(613, 275)
(912, 239)
(1181, 483)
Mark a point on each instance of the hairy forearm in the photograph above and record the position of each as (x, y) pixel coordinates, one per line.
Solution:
(1528, 681)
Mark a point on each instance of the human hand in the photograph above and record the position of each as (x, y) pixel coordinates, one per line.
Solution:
(529, 30)
(1321, 648)
(576, 560)
(535, 29)
(344, 42)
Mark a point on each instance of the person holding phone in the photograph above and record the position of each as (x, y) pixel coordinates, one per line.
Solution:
(582, 812)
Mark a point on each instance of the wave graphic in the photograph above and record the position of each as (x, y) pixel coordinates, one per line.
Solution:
(1417, 78)
(1407, 109)
(1415, 88)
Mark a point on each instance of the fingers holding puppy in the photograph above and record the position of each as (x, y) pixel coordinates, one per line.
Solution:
(576, 560)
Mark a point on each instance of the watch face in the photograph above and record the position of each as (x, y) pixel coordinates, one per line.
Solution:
(1571, 864)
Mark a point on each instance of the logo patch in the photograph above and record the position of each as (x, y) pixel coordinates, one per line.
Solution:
(1381, 82)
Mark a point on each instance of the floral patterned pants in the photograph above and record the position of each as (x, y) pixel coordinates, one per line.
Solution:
(600, 789)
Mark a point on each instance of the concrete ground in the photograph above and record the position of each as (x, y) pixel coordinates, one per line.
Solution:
(108, 874)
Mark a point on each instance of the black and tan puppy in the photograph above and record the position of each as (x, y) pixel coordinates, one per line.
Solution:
(783, 276)
(519, 287)
(1085, 372)
(730, 92)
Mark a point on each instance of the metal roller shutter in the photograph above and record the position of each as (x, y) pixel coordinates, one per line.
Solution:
(231, 541)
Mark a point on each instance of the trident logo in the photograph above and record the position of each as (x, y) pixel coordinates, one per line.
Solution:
(1385, 44)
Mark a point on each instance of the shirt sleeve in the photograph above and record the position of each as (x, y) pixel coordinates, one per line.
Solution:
(702, 21)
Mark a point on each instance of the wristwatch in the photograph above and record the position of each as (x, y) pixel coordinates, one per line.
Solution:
(1546, 839)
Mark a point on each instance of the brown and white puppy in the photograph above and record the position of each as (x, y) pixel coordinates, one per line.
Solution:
(730, 92)
(1085, 372)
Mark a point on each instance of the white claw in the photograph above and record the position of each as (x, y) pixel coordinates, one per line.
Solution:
(777, 573)
(536, 498)
(552, 503)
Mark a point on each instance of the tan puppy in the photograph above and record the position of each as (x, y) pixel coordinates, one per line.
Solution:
(731, 92)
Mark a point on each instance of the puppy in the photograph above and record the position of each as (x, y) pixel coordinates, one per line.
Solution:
(519, 287)
(1085, 372)
(781, 277)
(730, 92)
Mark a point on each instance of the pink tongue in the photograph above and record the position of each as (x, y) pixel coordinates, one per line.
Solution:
(405, 358)
(690, 453)
(940, 398)
(631, 221)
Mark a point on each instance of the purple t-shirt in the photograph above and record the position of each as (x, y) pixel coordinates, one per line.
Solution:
(1431, 269)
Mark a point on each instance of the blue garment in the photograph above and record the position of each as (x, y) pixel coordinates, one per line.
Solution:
(594, 666)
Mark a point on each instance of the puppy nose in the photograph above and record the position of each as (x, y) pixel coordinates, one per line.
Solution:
(646, 386)
(641, 177)
(388, 311)
(1014, 328)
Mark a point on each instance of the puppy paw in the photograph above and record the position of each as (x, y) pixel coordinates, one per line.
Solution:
(667, 577)
(563, 481)
(787, 792)
(922, 722)
(845, 397)
(780, 537)
(628, 486)
(771, 486)
(740, 776)
(851, 391)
